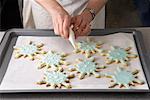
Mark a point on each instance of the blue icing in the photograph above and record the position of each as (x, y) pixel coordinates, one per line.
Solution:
(118, 53)
(123, 77)
(84, 45)
(28, 49)
(51, 58)
(55, 77)
(86, 67)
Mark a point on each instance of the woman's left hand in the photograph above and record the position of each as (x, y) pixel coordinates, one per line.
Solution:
(81, 23)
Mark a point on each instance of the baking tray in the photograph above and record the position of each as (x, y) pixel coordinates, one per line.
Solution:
(10, 38)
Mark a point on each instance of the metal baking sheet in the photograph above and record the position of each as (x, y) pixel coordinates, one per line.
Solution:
(13, 36)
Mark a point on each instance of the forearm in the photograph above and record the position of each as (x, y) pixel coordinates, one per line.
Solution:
(97, 5)
(51, 6)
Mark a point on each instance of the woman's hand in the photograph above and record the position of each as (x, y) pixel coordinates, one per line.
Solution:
(61, 22)
(61, 19)
(81, 23)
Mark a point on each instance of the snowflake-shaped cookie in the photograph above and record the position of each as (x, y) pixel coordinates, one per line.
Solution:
(56, 79)
(30, 51)
(88, 47)
(119, 55)
(87, 67)
(125, 78)
(52, 59)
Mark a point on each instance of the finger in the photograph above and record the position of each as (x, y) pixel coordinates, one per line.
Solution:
(86, 31)
(82, 25)
(78, 21)
(55, 26)
(60, 26)
(66, 26)
(75, 32)
(73, 19)
(79, 31)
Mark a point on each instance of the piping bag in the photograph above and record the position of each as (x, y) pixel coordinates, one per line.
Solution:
(72, 38)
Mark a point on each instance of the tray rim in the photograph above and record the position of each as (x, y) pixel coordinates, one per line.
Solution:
(144, 58)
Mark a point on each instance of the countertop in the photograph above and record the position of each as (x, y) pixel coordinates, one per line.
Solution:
(85, 96)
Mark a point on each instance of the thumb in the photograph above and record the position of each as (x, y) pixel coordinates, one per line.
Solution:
(73, 20)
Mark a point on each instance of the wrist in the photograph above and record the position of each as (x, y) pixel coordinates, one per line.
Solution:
(91, 11)
(86, 14)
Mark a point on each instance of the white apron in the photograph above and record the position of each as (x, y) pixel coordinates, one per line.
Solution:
(35, 16)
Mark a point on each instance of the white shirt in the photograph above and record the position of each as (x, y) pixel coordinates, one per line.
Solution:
(35, 16)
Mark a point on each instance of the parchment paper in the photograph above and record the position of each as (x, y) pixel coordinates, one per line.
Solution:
(23, 73)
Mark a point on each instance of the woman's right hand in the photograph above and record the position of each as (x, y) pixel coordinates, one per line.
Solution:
(61, 22)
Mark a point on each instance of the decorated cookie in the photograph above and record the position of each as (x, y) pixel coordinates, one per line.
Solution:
(53, 59)
(56, 79)
(88, 47)
(124, 78)
(30, 51)
(87, 67)
(119, 55)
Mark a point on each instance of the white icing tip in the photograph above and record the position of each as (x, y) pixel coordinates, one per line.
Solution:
(72, 38)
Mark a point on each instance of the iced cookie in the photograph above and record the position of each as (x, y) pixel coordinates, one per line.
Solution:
(124, 78)
(88, 47)
(119, 55)
(56, 79)
(52, 59)
(87, 67)
(30, 51)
